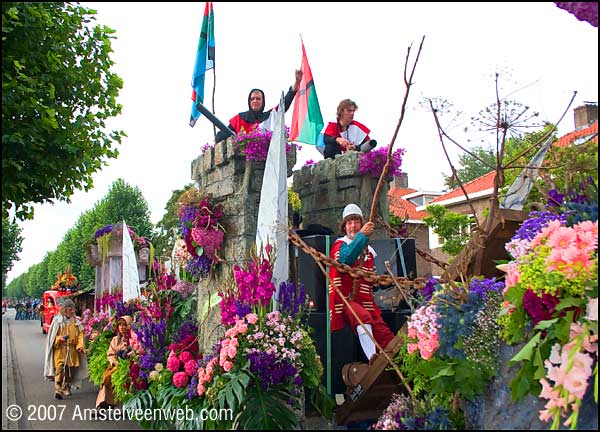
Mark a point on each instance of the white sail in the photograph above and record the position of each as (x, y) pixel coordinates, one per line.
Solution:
(131, 276)
(519, 190)
(272, 221)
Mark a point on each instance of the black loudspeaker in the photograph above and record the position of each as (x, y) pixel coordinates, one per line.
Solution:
(402, 264)
(309, 272)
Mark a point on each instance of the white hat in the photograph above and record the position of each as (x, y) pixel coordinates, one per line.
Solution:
(351, 209)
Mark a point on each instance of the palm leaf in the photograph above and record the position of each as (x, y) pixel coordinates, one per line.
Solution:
(266, 410)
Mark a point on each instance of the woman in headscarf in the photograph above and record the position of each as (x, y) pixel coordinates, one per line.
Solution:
(256, 116)
(119, 348)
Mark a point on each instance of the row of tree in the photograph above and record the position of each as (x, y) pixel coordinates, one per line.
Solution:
(122, 202)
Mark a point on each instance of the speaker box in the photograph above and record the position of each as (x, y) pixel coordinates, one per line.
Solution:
(400, 253)
(310, 274)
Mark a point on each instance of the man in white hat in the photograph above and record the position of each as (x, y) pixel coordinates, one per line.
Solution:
(65, 360)
(350, 250)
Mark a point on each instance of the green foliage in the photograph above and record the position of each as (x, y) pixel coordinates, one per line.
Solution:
(564, 167)
(410, 365)
(168, 228)
(11, 246)
(294, 200)
(119, 379)
(97, 360)
(57, 93)
(453, 228)
(266, 410)
(471, 166)
(122, 201)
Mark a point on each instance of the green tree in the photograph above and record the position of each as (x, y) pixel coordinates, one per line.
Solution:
(11, 246)
(470, 167)
(124, 201)
(121, 202)
(453, 228)
(168, 228)
(57, 92)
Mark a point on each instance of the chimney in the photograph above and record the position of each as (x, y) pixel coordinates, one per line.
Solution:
(585, 115)
(400, 181)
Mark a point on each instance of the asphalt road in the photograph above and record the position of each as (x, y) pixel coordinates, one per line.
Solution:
(28, 398)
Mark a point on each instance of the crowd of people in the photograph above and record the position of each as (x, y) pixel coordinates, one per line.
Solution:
(28, 309)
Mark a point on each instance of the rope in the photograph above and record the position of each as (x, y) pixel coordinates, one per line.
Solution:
(369, 276)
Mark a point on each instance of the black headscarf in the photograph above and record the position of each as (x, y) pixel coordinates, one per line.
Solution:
(255, 116)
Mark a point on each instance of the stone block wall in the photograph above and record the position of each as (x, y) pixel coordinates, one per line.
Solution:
(235, 184)
(327, 187)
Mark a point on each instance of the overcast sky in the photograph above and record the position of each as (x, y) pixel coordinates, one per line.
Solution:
(355, 50)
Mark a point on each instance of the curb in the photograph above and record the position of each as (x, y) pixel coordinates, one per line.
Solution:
(8, 377)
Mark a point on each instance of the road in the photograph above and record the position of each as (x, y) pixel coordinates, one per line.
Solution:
(25, 390)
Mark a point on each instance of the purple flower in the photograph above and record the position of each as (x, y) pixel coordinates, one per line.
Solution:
(292, 300)
(482, 286)
(198, 266)
(372, 162)
(270, 370)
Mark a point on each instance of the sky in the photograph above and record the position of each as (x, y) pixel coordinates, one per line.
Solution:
(355, 50)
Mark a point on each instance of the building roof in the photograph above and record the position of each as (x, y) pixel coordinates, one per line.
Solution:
(590, 132)
(474, 187)
(403, 208)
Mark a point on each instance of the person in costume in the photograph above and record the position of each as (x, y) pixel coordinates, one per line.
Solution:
(65, 359)
(256, 116)
(353, 250)
(119, 348)
(345, 134)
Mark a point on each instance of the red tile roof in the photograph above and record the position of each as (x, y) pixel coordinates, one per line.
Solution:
(482, 183)
(401, 207)
(567, 139)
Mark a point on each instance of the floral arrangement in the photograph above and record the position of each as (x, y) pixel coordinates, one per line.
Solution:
(448, 354)
(406, 414)
(551, 305)
(66, 281)
(255, 144)
(263, 364)
(198, 251)
(372, 163)
(103, 236)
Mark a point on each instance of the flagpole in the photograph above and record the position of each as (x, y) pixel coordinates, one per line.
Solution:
(213, 98)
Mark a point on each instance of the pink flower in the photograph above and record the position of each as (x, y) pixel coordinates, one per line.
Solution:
(190, 367)
(592, 309)
(173, 363)
(200, 389)
(252, 318)
(180, 379)
(185, 356)
(563, 237)
(227, 366)
(231, 351)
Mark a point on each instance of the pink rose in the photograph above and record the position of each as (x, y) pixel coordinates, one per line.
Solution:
(200, 389)
(227, 366)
